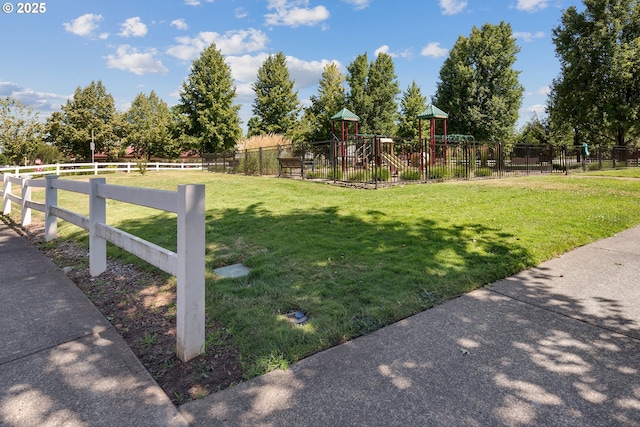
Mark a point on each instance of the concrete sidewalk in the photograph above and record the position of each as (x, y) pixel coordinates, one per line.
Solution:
(555, 345)
(61, 362)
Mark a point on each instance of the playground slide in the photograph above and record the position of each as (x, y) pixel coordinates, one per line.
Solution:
(395, 161)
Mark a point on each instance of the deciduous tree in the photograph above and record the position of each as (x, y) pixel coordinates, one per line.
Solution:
(148, 127)
(479, 87)
(20, 131)
(91, 111)
(598, 89)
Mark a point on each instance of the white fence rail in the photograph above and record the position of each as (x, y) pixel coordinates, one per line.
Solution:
(94, 168)
(187, 264)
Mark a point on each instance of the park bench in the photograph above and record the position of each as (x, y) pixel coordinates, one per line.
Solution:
(290, 163)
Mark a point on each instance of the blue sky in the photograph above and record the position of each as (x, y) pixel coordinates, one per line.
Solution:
(142, 45)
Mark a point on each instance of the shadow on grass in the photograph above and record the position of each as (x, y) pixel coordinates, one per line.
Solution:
(563, 353)
(351, 274)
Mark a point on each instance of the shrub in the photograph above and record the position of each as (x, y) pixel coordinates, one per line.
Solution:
(483, 172)
(383, 175)
(358, 176)
(315, 174)
(436, 172)
(459, 172)
(335, 174)
(141, 164)
(410, 175)
(250, 163)
(596, 165)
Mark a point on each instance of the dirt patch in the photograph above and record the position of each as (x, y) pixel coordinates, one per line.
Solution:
(141, 307)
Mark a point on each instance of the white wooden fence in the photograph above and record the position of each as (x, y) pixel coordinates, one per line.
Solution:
(187, 264)
(94, 168)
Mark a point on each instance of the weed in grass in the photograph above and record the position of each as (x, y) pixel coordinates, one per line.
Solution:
(201, 370)
(429, 298)
(148, 340)
(214, 339)
(168, 364)
(273, 360)
(363, 325)
(178, 397)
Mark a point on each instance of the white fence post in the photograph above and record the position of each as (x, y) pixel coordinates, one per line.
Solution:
(6, 188)
(26, 197)
(50, 199)
(190, 302)
(97, 215)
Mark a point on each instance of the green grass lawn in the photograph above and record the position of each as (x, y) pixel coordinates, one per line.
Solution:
(355, 260)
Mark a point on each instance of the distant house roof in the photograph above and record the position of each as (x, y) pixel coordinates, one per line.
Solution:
(433, 112)
(345, 115)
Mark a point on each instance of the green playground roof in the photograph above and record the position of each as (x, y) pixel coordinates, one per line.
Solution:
(433, 112)
(345, 115)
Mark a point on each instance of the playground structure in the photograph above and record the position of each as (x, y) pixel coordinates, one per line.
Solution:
(356, 152)
(352, 157)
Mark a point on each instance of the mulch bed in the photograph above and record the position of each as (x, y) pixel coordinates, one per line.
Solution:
(140, 305)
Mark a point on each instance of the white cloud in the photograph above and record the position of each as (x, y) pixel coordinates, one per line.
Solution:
(244, 68)
(381, 49)
(133, 27)
(452, 7)
(532, 5)
(179, 24)
(434, 50)
(289, 13)
(40, 101)
(83, 25)
(240, 12)
(229, 43)
(539, 109)
(244, 93)
(196, 2)
(385, 49)
(359, 4)
(306, 73)
(527, 36)
(128, 58)
(244, 71)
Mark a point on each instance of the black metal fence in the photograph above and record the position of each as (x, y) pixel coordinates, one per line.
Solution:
(377, 161)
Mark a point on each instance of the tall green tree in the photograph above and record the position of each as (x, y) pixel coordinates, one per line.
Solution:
(91, 111)
(210, 118)
(329, 100)
(276, 106)
(412, 104)
(479, 87)
(20, 131)
(372, 90)
(382, 89)
(357, 97)
(148, 127)
(598, 90)
(534, 132)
